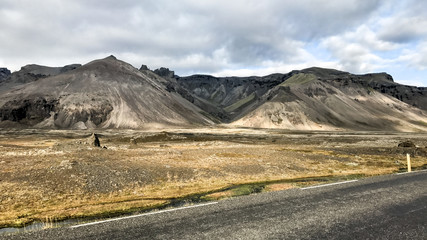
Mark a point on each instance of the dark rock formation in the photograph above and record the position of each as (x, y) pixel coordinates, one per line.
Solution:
(28, 111)
(133, 141)
(406, 144)
(380, 82)
(70, 67)
(227, 97)
(143, 68)
(4, 73)
(94, 140)
(165, 72)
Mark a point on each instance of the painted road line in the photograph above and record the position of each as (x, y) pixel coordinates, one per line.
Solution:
(144, 214)
(329, 184)
(424, 170)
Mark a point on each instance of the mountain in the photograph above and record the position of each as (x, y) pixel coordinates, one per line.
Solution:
(326, 99)
(109, 93)
(105, 93)
(228, 97)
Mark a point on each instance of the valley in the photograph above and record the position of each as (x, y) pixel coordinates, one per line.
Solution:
(52, 175)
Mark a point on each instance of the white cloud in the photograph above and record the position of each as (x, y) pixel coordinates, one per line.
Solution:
(407, 23)
(404, 29)
(359, 51)
(416, 58)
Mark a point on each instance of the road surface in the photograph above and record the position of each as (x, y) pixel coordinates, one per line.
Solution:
(385, 207)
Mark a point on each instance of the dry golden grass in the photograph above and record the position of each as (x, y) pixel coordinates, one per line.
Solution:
(220, 195)
(53, 178)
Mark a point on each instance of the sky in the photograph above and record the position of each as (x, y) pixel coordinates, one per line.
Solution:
(221, 37)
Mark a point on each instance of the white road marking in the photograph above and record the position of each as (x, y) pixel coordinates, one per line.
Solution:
(329, 184)
(144, 214)
(415, 210)
(424, 170)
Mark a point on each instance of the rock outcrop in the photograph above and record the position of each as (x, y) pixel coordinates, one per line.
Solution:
(4, 73)
(28, 111)
(228, 98)
(407, 144)
(165, 72)
(143, 68)
(93, 140)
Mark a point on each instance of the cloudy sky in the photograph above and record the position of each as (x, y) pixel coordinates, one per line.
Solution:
(221, 37)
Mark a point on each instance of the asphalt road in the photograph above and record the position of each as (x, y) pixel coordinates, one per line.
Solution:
(386, 207)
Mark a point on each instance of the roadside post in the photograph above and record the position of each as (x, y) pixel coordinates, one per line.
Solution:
(408, 158)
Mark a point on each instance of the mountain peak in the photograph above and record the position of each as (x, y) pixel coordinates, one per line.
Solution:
(143, 68)
(111, 57)
(324, 72)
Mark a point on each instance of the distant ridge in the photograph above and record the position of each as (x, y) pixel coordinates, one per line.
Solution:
(109, 93)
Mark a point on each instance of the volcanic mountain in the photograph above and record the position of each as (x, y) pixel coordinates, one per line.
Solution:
(327, 99)
(313, 98)
(106, 93)
(109, 93)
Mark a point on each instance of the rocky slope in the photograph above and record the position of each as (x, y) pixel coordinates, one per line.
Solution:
(324, 99)
(313, 98)
(106, 93)
(228, 97)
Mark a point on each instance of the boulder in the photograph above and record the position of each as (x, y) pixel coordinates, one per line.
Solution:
(133, 141)
(406, 144)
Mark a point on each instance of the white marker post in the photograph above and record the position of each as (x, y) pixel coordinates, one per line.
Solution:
(408, 158)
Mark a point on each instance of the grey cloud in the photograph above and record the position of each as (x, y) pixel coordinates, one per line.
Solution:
(318, 19)
(187, 36)
(408, 25)
(404, 29)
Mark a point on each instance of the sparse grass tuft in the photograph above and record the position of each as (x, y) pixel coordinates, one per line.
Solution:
(240, 103)
(248, 189)
(299, 79)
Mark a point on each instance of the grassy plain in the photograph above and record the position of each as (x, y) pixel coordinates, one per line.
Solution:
(52, 175)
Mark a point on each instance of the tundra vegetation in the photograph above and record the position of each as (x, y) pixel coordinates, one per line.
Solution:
(52, 175)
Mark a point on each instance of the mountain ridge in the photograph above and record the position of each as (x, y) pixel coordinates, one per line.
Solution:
(305, 102)
(110, 93)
